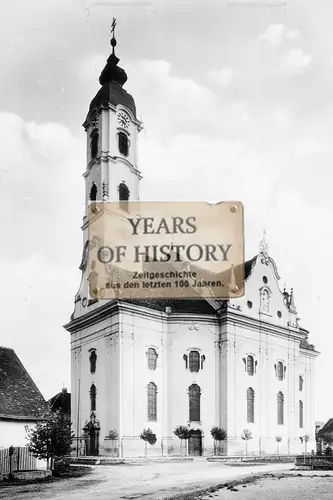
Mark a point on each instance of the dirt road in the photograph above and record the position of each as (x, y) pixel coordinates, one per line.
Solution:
(149, 481)
(306, 487)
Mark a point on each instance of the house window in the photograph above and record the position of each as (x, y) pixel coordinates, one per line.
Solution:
(123, 143)
(93, 192)
(279, 370)
(194, 361)
(152, 358)
(301, 414)
(94, 143)
(93, 359)
(124, 195)
(194, 403)
(152, 401)
(250, 405)
(300, 381)
(280, 408)
(250, 365)
(93, 397)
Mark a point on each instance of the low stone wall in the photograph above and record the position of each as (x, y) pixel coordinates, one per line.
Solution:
(254, 458)
(118, 461)
(314, 462)
(27, 475)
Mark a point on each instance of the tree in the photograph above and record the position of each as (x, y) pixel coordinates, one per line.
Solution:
(218, 434)
(51, 438)
(246, 436)
(278, 439)
(183, 433)
(113, 435)
(148, 436)
(328, 438)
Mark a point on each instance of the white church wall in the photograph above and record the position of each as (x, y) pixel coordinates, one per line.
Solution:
(185, 336)
(140, 333)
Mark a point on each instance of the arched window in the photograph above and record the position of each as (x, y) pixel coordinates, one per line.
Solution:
(124, 195)
(93, 359)
(265, 300)
(194, 361)
(301, 414)
(93, 192)
(300, 381)
(94, 143)
(250, 365)
(250, 405)
(152, 358)
(123, 143)
(194, 403)
(152, 401)
(280, 408)
(279, 370)
(93, 398)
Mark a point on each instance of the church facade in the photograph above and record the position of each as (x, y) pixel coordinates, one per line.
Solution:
(241, 364)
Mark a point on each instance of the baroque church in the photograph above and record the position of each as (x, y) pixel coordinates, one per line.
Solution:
(238, 364)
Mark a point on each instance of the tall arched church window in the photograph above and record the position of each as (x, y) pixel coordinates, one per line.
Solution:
(194, 403)
(152, 401)
(301, 414)
(300, 382)
(152, 358)
(279, 370)
(280, 408)
(194, 361)
(94, 143)
(250, 405)
(124, 195)
(123, 143)
(93, 397)
(93, 359)
(93, 192)
(250, 365)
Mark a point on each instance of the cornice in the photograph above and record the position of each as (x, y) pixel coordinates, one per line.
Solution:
(106, 157)
(256, 324)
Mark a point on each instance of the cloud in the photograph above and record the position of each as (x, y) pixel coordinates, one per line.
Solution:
(41, 206)
(276, 34)
(223, 77)
(295, 62)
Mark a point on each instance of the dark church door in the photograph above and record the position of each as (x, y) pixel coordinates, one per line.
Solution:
(195, 443)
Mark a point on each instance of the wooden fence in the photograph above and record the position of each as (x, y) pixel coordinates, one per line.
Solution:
(20, 460)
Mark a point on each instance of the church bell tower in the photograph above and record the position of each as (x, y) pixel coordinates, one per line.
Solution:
(111, 172)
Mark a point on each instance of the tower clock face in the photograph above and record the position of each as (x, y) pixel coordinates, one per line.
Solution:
(123, 119)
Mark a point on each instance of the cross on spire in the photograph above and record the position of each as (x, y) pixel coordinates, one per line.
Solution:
(113, 39)
(263, 245)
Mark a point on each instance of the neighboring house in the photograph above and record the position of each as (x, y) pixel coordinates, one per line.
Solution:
(325, 435)
(243, 363)
(21, 402)
(62, 402)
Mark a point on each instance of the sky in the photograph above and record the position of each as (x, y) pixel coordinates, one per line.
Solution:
(237, 104)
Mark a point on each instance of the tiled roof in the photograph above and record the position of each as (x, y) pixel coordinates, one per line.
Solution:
(61, 401)
(328, 428)
(19, 396)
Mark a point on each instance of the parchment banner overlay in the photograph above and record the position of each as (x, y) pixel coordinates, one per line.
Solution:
(166, 250)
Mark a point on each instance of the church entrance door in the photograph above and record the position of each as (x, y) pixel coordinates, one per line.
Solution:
(195, 443)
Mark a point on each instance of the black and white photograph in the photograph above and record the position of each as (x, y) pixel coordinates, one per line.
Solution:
(167, 216)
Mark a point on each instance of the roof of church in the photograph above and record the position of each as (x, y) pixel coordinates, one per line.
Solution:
(199, 305)
(19, 396)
